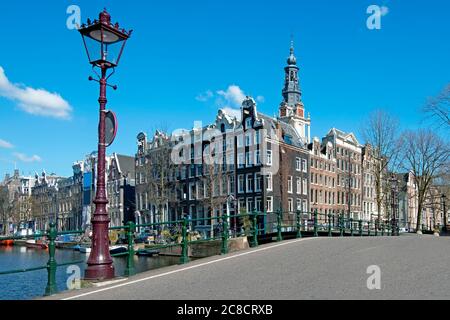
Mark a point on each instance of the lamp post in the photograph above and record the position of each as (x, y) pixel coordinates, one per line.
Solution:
(104, 44)
(394, 192)
(444, 211)
(230, 199)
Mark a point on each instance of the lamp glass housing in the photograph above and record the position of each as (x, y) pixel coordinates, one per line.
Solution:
(104, 42)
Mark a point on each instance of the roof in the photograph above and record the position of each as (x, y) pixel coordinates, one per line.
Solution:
(126, 165)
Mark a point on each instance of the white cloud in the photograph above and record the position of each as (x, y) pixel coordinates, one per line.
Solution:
(235, 113)
(35, 101)
(5, 144)
(233, 95)
(260, 99)
(24, 158)
(203, 97)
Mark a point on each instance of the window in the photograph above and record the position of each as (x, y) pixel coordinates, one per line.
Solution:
(269, 204)
(240, 142)
(240, 160)
(250, 182)
(248, 159)
(305, 206)
(250, 206)
(258, 204)
(192, 191)
(297, 164)
(290, 184)
(257, 182)
(299, 185)
(299, 204)
(304, 165)
(257, 137)
(248, 123)
(231, 184)
(290, 205)
(241, 183)
(269, 181)
(305, 187)
(257, 158)
(269, 157)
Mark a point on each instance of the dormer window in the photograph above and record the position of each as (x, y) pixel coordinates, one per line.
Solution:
(248, 123)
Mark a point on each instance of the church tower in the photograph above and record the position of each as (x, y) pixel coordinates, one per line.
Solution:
(292, 109)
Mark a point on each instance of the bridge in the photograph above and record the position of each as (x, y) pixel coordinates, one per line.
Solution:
(411, 267)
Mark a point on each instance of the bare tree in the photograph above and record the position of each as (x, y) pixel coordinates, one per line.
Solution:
(381, 132)
(438, 108)
(158, 170)
(424, 155)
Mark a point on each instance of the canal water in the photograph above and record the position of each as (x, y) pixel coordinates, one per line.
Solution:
(29, 285)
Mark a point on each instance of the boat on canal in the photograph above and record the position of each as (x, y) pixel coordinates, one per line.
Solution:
(7, 243)
(36, 244)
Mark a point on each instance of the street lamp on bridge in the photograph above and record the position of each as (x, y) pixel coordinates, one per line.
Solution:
(444, 212)
(394, 203)
(104, 43)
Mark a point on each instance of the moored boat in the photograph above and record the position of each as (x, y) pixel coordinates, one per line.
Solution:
(118, 249)
(6, 242)
(85, 249)
(36, 244)
(147, 253)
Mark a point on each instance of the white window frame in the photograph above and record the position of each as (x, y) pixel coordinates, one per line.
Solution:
(269, 157)
(290, 184)
(269, 181)
(241, 184)
(269, 204)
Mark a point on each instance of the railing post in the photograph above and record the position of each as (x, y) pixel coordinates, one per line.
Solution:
(330, 234)
(299, 225)
(279, 235)
(255, 229)
(129, 270)
(341, 225)
(360, 228)
(51, 288)
(184, 243)
(351, 227)
(225, 235)
(315, 224)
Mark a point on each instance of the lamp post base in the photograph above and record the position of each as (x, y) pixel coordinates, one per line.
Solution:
(99, 272)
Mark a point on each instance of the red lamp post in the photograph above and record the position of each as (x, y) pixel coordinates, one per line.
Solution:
(104, 43)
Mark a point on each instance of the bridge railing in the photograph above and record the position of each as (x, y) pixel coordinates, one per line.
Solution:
(181, 234)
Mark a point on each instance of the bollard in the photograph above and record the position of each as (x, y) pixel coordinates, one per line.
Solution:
(51, 288)
(184, 243)
(351, 227)
(329, 225)
(255, 230)
(129, 270)
(279, 235)
(225, 235)
(376, 229)
(299, 225)
(360, 228)
(315, 224)
(341, 225)
(382, 229)
(368, 228)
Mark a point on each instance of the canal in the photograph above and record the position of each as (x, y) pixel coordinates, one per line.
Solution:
(29, 285)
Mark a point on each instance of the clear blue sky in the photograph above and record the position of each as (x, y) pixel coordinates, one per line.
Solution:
(180, 50)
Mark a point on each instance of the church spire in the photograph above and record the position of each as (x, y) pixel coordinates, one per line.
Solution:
(291, 91)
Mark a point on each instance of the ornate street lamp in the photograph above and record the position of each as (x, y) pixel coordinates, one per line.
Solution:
(394, 195)
(444, 211)
(104, 43)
